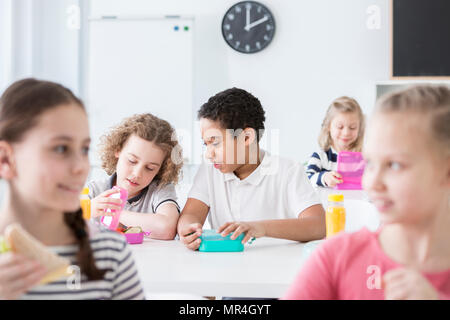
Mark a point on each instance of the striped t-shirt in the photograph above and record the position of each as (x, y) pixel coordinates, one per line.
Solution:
(319, 163)
(111, 252)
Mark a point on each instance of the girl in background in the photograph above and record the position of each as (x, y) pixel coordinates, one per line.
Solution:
(342, 130)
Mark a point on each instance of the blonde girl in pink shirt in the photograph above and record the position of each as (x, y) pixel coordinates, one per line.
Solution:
(407, 178)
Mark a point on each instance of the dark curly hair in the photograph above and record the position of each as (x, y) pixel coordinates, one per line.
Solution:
(235, 109)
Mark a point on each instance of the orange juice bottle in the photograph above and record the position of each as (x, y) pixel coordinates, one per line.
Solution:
(85, 203)
(335, 214)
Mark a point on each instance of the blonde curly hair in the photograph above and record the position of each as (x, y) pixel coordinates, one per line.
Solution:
(150, 128)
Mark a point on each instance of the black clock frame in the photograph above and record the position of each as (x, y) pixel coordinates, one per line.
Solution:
(242, 49)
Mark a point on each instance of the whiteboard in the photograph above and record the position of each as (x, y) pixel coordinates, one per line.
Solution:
(138, 65)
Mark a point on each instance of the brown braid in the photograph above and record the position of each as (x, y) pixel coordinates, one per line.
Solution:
(85, 257)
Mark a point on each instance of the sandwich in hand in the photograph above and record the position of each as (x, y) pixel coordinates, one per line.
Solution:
(21, 242)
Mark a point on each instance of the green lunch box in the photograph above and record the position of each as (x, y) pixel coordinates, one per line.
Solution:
(214, 242)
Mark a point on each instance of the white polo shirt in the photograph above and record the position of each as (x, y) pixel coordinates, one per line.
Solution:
(277, 189)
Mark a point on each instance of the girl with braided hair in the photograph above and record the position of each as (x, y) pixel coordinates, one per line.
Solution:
(44, 144)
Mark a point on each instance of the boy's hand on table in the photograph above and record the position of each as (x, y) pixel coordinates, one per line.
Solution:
(251, 229)
(407, 284)
(102, 202)
(190, 234)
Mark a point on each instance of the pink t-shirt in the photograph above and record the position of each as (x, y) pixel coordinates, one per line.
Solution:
(351, 266)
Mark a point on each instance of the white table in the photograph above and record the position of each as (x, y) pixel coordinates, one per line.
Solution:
(265, 268)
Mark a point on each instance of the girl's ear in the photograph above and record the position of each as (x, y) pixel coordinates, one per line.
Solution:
(7, 165)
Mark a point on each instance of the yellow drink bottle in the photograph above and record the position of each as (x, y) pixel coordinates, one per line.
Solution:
(85, 203)
(335, 214)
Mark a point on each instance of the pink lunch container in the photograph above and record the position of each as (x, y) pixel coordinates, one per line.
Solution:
(134, 238)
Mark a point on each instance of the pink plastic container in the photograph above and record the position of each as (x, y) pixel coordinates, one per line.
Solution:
(136, 238)
(112, 222)
(351, 166)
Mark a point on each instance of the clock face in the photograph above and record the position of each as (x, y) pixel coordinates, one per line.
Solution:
(248, 27)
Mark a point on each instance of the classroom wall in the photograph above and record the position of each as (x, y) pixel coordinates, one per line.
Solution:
(322, 49)
(5, 43)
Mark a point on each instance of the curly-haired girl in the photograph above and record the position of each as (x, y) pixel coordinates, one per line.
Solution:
(142, 155)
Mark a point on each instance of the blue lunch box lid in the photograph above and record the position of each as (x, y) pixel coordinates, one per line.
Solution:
(212, 235)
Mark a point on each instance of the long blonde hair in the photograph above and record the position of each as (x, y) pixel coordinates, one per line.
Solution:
(347, 105)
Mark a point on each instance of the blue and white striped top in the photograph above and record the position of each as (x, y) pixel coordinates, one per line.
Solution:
(319, 163)
(111, 252)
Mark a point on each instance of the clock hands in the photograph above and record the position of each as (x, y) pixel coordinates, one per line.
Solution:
(254, 24)
(247, 20)
(248, 26)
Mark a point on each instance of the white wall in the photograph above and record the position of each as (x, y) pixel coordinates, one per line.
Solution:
(36, 41)
(322, 49)
(5, 42)
(56, 42)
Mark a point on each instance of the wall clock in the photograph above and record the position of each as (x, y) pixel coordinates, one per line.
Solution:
(248, 27)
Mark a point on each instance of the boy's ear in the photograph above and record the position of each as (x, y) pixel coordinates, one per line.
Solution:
(7, 165)
(250, 136)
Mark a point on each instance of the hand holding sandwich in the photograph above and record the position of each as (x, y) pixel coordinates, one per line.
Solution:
(25, 262)
(18, 274)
